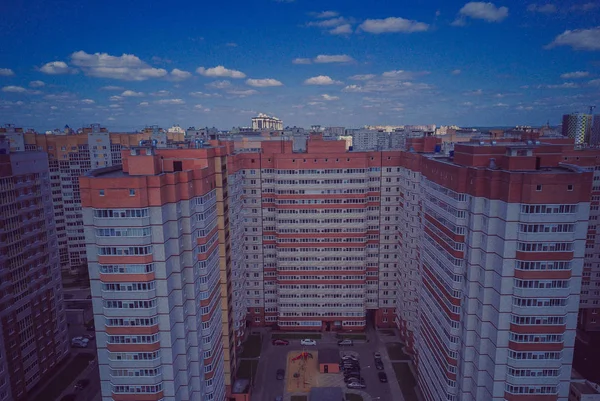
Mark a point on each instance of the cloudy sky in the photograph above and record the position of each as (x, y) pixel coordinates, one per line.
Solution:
(127, 64)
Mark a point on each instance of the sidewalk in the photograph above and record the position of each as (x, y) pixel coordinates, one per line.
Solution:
(387, 363)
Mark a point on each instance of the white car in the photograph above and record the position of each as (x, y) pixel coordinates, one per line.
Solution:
(308, 341)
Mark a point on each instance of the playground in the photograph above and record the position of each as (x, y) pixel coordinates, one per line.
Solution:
(302, 371)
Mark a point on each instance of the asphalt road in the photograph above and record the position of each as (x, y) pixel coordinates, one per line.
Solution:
(273, 357)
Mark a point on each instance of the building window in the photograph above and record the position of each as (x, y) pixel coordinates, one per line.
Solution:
(257, 320)
(132, 192)
(101, 192)
(569, 187)
(538, 188)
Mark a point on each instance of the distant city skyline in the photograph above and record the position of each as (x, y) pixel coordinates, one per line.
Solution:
(332, 63)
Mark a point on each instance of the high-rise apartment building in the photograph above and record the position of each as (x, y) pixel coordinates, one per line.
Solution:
(163, 235)
(477, 258)
(595, 138)
(577, 126)
(71, 156)
(494, 239)
(33, 329)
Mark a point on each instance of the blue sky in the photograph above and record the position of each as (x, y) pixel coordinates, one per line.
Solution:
(127, 64)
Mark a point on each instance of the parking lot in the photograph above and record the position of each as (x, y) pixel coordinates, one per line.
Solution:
(274, 357)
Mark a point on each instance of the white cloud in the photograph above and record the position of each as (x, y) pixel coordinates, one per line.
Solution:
(476, 92)
(344, 29)
(143, 104)
(501, 105)
(543, 8)
(575, 75)
(219, 84)
(161, 93)
(231, 44)
(594, 82)
(242, 93)
(36, 84)
(179, 75)
(6, 72)
(362, 77)
(200, 94)
(481, 10)
(392, 24)
(578, 39)
(126, 67)
(111, 119)
(456, 72)
(53, 108)
(129, 93)
(467, 104)
(14, 89)
(115, 98)
(87, 101)
(220, 71)
(115, 106)
(353, 88)
(336, 58)
(321, 80)
(56, 68)
(325, 14)
(263, 83)
(328, 97)
(198, 106)
(564, 85)
(111, 88)
(170, 101)
(524, 108)
(301, 61)
(329, 23)
(404, 75)
(585, 6)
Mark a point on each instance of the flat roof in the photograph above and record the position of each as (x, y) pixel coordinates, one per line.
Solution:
(329, 355)
(584, 388)
(326, 393)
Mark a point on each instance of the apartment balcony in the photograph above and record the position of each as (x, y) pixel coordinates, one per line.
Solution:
(138, 380)
(124, 312)
(533, 381)
(137, 364)
(113, 222)
(129, 295)
(121, 241)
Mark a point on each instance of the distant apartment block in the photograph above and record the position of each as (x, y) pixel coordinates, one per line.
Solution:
(33, 329)
(577, 126)
(265, 122)
(71, 156)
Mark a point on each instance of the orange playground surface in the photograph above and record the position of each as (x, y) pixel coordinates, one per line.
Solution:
(302, 371)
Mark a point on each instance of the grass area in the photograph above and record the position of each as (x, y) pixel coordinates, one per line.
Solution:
(342, 336)
(295, 336)
(247, 369)
(395, 352)
(299, 398)
(406, 380)
(65, 377)
(251, 347)
(387, 332)
(353, 397)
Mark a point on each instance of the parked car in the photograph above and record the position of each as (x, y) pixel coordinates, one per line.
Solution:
(79, 342)
(349, 356)
(350, 368)
(351, 374)
(382, 377)
(354, 379)
(378, 364)
(346, 341)
(81, 384)
(308, 341)
(356, 385)
(281, 342)
(377, 355)
(350, 379)
(280, 374)
(89, 336)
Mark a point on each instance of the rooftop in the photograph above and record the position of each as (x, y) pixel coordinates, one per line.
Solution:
(329, 355)
(326, 393)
